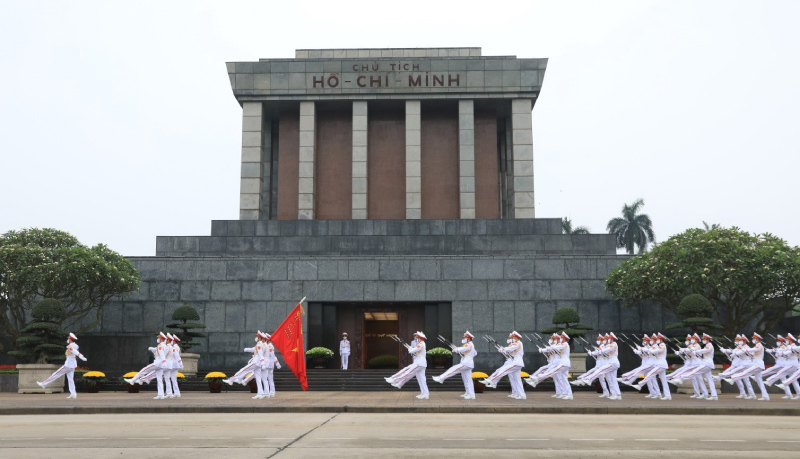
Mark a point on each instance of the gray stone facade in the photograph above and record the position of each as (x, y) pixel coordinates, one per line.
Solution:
(240, 285)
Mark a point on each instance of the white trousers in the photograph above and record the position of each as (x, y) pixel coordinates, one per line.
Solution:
(173, 376)
(405, 375)
(755, 372)
(268, 381)
(243, 373)
(506, 370)
(69, 373)
(160, 381)
(466, 377)
(345, 361)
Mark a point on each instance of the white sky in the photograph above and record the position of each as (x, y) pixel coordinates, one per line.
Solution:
(117, 123)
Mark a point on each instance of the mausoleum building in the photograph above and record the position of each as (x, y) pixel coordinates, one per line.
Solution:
(394, 188)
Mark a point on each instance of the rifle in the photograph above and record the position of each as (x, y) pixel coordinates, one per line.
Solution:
(397, 338)
(445, 341)
(497, 345)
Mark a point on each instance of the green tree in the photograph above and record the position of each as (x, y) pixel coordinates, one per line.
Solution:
(694, 312)
(632, 228)
(567, 320)
(184, 314)
(710, 227)
(566, 227)
(749, 279)
(42, 340)
(48, 263)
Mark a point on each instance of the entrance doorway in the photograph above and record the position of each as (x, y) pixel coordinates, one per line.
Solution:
(370, 325)
(379, 347)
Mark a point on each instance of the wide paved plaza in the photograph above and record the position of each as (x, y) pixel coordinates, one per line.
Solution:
(401, 435)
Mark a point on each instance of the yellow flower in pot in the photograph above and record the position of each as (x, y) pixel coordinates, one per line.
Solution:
(93, 380)
(214, 380)
(476, 376)
(132, 388)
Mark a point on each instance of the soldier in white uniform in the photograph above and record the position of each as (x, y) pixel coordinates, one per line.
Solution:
(417, 368)
(704, 355)
(167, 368)
(607, 364)
(552, 360)
(560, 367)
(272, 363)
(754, 365)
(177, 365)
(512, 368)
(658, 352)
(793, 354)
(145, 375)
(643, 351)
(736, 363)
(785, 364)
(344, 350)
(261, 354)
(68, 368)
(467, 352)
(246, 373)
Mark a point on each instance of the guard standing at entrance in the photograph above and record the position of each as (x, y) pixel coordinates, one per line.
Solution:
(344, 350)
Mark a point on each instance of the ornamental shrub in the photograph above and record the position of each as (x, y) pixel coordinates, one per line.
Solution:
(694, 305)
(439, 352)
(187, 333)
(566, 320)
(382, 361)
(316, 352)
(42, 339)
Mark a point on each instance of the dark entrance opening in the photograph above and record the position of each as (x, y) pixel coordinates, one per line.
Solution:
(365, 321)
(379, 327)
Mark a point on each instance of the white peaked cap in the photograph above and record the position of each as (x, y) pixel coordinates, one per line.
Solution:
(421, 335)
(514, 333)
(791, 338)
(175, 338)
(469, 335)
(344, 334)
(564, 335)
(73, 337)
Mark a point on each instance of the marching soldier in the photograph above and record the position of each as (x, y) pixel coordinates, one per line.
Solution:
(794, 357)
(785, 364)
(642, 351)
(272, 363)
(467, 352)
(167, 369)
(245, 374)
(606, 366)
(177, 365)
(344, 350)
(552, 360)
(704, 354)
(68, 368)
(736, 363)
(261, 354)
(754, 365)
(560, 367)
(512, 368)
(417, 368)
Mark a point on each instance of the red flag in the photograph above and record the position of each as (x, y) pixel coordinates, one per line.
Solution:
(288, 339)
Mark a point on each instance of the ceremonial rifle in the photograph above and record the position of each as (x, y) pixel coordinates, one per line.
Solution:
(445, 341)
(397, 338)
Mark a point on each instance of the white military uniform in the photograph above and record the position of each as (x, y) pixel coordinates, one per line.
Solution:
(754, 366)
(512, 368)
(246, 373)
(658, 352)
(559, 369)
(736, 364)
(467, 353)
(552, 359)
(261, 355)
(68, 369)
(177, 365)
(344, 351)
(168, 367)
(417, 368)
(793, 356)
(268, 373)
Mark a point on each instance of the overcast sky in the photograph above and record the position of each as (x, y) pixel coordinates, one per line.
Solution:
(118, 124)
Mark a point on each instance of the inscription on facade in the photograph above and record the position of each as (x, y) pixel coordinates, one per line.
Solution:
(383, 75)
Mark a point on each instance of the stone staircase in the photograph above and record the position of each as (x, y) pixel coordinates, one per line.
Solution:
(327, 380)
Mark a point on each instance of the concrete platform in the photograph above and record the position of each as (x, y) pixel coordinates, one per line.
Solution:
(386, 402)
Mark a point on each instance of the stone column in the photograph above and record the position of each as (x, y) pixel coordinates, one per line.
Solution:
(522, 150)
(308, 153)
(413, 160)
(359, 160)
(466, 158)
(250, 195)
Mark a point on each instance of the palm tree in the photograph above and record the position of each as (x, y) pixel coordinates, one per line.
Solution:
(566, 227)
(710, 227)
(633, 228)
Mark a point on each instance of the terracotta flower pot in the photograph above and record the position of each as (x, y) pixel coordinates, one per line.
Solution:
(253, 385)
(133, 388)
(439, 362)
(93, 388)
(319, 362)
(215, 386)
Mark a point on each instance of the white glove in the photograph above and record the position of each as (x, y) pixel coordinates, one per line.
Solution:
(82, 358)
(278, 365)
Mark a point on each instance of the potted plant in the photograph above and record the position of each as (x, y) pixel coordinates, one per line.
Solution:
(8, 378)
(188, 323)
(214, 380)
(93, 381)
(439, 356)
(319, 356)
(567, 321)
(382, 361)
(132, 388)
(477, 376)
(40, 349)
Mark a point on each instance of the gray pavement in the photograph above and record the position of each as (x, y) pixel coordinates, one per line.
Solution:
(405, 435)
(386, 402)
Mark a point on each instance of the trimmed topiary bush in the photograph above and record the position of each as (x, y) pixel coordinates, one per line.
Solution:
(567, 320)
(43, 340)
(186, 313)
(382, 361)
